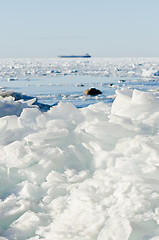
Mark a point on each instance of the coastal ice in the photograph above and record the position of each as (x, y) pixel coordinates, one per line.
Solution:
(75, 167)
(80, 174)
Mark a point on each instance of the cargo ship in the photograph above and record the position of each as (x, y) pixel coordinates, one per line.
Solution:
(76, 56)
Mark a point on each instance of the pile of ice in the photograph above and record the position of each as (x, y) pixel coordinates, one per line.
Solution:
(12, 69)
(8, 105)
(81, 174)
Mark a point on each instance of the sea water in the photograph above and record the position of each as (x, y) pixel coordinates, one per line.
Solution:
(88, 168)
(55, 80)
(53, 89)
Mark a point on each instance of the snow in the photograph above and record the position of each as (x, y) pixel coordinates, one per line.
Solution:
(87, 173)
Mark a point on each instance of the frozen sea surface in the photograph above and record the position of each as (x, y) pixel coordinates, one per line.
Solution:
(88, 173)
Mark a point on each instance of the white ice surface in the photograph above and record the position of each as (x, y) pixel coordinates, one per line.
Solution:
(114, 67)
(80, 174)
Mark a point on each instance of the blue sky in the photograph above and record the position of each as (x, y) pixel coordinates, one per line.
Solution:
(103, 28)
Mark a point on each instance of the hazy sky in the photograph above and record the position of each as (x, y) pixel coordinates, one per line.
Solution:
(103, 28)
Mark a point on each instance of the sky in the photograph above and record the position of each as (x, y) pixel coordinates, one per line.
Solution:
(102, 28)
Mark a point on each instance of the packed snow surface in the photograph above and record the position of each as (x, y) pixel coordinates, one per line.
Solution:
(90, 173)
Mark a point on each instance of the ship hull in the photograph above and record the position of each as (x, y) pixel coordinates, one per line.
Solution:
(76, 56)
